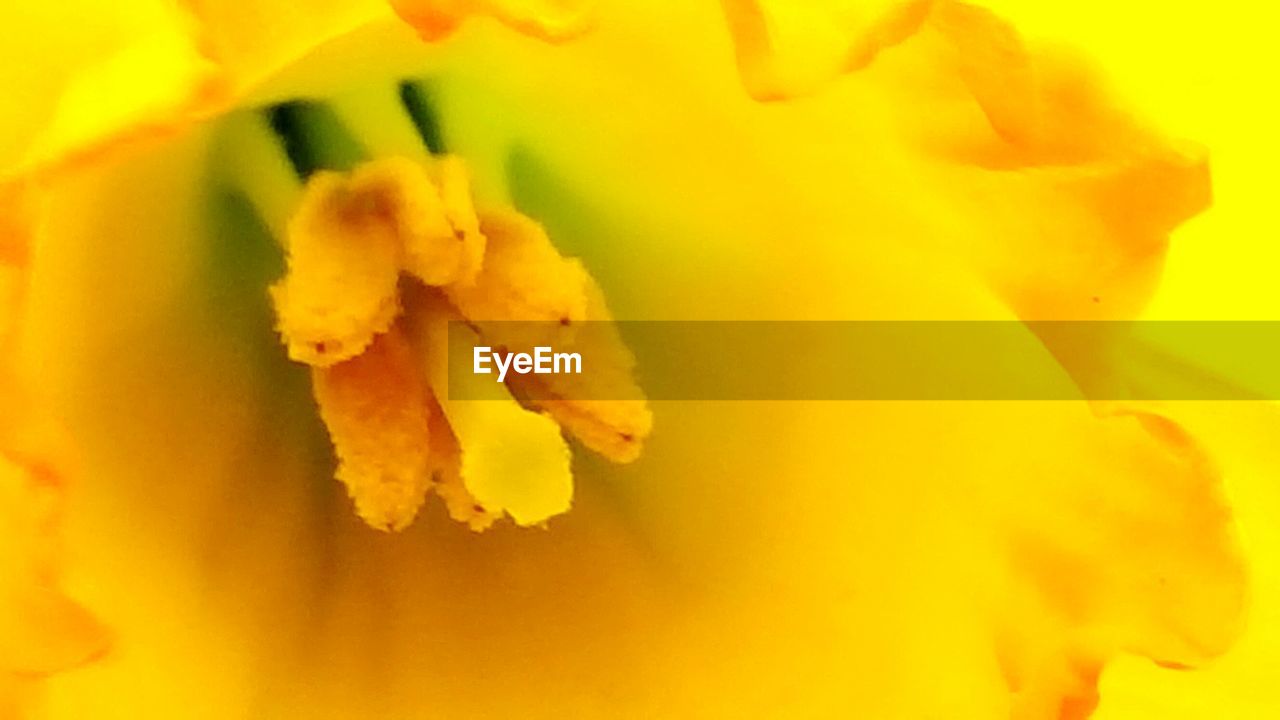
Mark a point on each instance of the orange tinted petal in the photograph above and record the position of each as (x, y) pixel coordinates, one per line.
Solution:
(1141, 557)
(546, 19)
(1081, 192)
(16, 227)
(41, 630)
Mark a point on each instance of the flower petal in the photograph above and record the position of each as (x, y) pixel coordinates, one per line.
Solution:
(1080, 191)
(864, 556)
(41, 629)
(150, 80)
(787, 48)
(168, 65)
(547, 19)
(17, 219)
(1141, 559)
(252, 40)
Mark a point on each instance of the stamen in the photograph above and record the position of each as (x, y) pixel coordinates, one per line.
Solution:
(512, 460)
(339, 311)
(615, 427)
(375, 406)
(443, 242)
(446, 461)
(524, 279)
(344, 265)
(454, 182)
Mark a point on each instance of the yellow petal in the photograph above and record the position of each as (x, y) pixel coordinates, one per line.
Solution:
(787, 48)
(377, 413)
(136, 69)
(1027, 132)
(1149, 564)
(41, 629)
(547, 19)
(252, 40)
(17, 220)
(153, 83)
(677, 602)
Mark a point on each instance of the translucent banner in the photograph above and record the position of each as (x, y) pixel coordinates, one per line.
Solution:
(867, 360)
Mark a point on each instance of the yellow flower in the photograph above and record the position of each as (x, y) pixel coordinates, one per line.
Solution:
(234, 233)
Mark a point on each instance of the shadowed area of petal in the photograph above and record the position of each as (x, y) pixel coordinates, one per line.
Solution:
(42, 630)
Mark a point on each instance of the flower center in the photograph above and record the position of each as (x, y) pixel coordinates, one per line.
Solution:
(381, 255)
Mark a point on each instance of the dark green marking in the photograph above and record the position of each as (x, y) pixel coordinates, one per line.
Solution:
(314, 137)
(420, 106)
